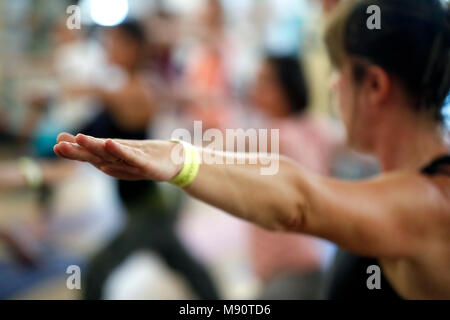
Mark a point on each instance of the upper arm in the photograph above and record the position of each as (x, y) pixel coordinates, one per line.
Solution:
(391, 216)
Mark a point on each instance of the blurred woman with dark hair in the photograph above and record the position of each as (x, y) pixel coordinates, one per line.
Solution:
(293, 262)
(281, 93)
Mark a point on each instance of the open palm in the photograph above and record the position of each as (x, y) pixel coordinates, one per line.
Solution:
(122, 159)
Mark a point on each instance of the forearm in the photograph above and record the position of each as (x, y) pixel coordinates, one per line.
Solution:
(272, 201)
(366, 217)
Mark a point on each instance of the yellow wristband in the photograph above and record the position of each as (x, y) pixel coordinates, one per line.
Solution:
(190, 168)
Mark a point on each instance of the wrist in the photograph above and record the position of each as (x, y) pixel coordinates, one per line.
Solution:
(176, 157)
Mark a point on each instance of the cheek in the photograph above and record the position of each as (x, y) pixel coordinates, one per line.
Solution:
(341, 97)
(346, 100)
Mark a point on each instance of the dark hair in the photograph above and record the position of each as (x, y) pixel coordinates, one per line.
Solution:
(413, 45)
(133, 29)
(292, 80)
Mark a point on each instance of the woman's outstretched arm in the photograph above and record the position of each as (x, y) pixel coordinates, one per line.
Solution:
(376, 217)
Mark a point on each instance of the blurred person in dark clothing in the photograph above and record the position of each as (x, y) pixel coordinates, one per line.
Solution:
(127, 113)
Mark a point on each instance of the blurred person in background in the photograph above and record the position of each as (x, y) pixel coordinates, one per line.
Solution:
(290, 266)
(73, 60)
(76, 60)
(35, 255)
(127, 113)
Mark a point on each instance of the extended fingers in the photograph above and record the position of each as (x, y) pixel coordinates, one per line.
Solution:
(73, 151)
(65, 137)
(96, 146)
(120, 158)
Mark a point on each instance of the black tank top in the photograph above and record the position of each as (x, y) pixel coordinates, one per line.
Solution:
(104, 125)
(347, 278)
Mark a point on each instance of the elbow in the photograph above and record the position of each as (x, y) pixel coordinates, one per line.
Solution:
(286, 204)
(291, 213)
(295, 219)
(296, 211)
(286, 221)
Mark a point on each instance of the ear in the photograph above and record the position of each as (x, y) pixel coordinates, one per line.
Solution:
(379, 85)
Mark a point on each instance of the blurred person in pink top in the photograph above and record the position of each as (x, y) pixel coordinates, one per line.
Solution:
(289, 264)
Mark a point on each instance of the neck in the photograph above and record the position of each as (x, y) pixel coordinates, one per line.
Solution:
(409, 145)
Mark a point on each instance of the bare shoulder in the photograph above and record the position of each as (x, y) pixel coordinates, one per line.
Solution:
(398, 214)
(442, 185)
(425, 199)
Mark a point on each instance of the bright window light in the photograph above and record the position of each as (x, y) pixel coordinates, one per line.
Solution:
(108, 12)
